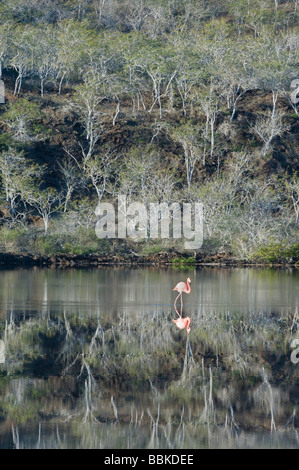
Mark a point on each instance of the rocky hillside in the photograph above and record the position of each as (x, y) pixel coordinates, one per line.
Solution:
(164, 102)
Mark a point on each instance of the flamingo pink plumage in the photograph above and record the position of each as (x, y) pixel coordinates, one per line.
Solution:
(186, 288)
(182, 287)
(182, 323)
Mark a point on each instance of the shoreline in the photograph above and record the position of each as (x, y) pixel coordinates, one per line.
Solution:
(63, 261)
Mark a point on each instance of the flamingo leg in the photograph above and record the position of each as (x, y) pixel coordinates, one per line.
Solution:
(175, 305)
(181, 304)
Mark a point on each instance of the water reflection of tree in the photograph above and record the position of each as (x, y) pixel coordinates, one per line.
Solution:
(214, 386)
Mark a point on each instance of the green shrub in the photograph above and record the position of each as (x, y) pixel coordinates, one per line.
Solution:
(152, 249)
(32, 240)
(292, 252)
(277, 252)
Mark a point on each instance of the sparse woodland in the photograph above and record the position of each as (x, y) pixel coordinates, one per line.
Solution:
(161, 101)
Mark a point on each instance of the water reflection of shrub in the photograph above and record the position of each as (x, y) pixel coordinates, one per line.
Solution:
(194, 382)
(149, 344)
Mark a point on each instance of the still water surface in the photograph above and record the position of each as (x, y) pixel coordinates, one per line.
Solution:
(93, 360)
(142, 290)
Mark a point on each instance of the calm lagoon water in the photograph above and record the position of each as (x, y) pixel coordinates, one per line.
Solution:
(91, 359)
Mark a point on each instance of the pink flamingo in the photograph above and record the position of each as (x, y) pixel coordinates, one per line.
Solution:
(182, 287)
(182, 323)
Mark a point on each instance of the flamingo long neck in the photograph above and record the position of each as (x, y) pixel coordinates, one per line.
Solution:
(188, 287)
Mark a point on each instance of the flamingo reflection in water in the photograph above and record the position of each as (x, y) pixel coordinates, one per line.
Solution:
(182, 287)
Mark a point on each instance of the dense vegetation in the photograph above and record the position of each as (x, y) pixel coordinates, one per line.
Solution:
(161, 101)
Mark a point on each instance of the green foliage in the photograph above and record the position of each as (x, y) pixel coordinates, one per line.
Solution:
(23, 120)
(81, 242)
(6, 141)
(19, 413)
(13, 239)
(184, 261)
(277, 252)
(152, 249)
(292, 252)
